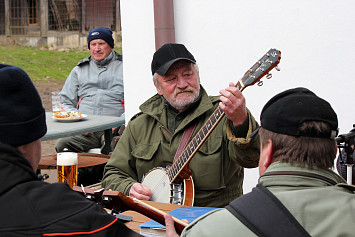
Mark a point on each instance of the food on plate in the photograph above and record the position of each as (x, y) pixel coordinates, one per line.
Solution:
(68, 115)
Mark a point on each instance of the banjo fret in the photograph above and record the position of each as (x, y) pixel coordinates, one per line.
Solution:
(195, 143)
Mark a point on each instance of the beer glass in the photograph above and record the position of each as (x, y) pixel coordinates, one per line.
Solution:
(67, 168)
(56, 102)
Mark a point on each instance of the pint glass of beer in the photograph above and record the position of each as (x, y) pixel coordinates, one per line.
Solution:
(67, 168)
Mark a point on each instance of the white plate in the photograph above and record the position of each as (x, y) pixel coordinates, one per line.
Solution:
(66, 120)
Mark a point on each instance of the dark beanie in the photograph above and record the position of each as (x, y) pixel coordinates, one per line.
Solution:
(101, 33)
(22, 116)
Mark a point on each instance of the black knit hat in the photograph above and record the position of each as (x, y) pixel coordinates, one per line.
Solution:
(22, 116)
(101, 33)
(168, 54)
(285, 112)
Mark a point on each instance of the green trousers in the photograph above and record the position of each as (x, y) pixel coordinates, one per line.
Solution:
(82, 143)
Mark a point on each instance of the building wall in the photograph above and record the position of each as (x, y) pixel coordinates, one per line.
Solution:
(99, 13)
(227, 37)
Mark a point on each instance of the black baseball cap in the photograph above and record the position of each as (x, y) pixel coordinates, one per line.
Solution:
(285, 112)
(168, 54)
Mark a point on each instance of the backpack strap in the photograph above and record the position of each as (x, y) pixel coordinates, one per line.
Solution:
(265, 215)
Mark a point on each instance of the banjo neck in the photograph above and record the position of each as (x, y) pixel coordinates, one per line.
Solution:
(261, 68)
(196, 142)
(118, 202)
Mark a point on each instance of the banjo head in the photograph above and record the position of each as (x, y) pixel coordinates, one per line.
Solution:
(158, 182)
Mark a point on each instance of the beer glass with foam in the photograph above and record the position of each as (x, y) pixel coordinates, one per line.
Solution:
(67, 168)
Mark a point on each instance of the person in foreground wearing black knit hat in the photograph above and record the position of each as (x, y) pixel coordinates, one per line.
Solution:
(94, 87)
(297, 194)
(30, 207)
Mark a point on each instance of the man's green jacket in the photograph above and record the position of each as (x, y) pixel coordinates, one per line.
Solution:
(217, 167)
(319, 199)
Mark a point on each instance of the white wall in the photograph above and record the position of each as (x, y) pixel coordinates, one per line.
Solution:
(316, 38)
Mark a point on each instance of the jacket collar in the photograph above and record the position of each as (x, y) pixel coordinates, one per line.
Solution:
(104, 61)
(286, 174)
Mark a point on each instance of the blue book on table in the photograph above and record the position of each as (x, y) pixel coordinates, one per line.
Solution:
(188, 213)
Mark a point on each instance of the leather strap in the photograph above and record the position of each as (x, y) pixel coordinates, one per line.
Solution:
(185, 139)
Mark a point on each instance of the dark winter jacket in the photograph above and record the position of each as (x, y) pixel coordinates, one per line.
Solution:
(30, 207)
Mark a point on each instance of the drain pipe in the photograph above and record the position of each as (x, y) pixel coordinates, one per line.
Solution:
(164, 22)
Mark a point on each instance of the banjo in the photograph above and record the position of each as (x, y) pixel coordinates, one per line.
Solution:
(174, 184)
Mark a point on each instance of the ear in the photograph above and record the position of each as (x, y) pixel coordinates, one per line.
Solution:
(156, 84)
(269, 153)
(32, 152)
(22, 149)
(266, 152)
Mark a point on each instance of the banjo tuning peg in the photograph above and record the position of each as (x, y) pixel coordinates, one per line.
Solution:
(260, 83)
(268, 76)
